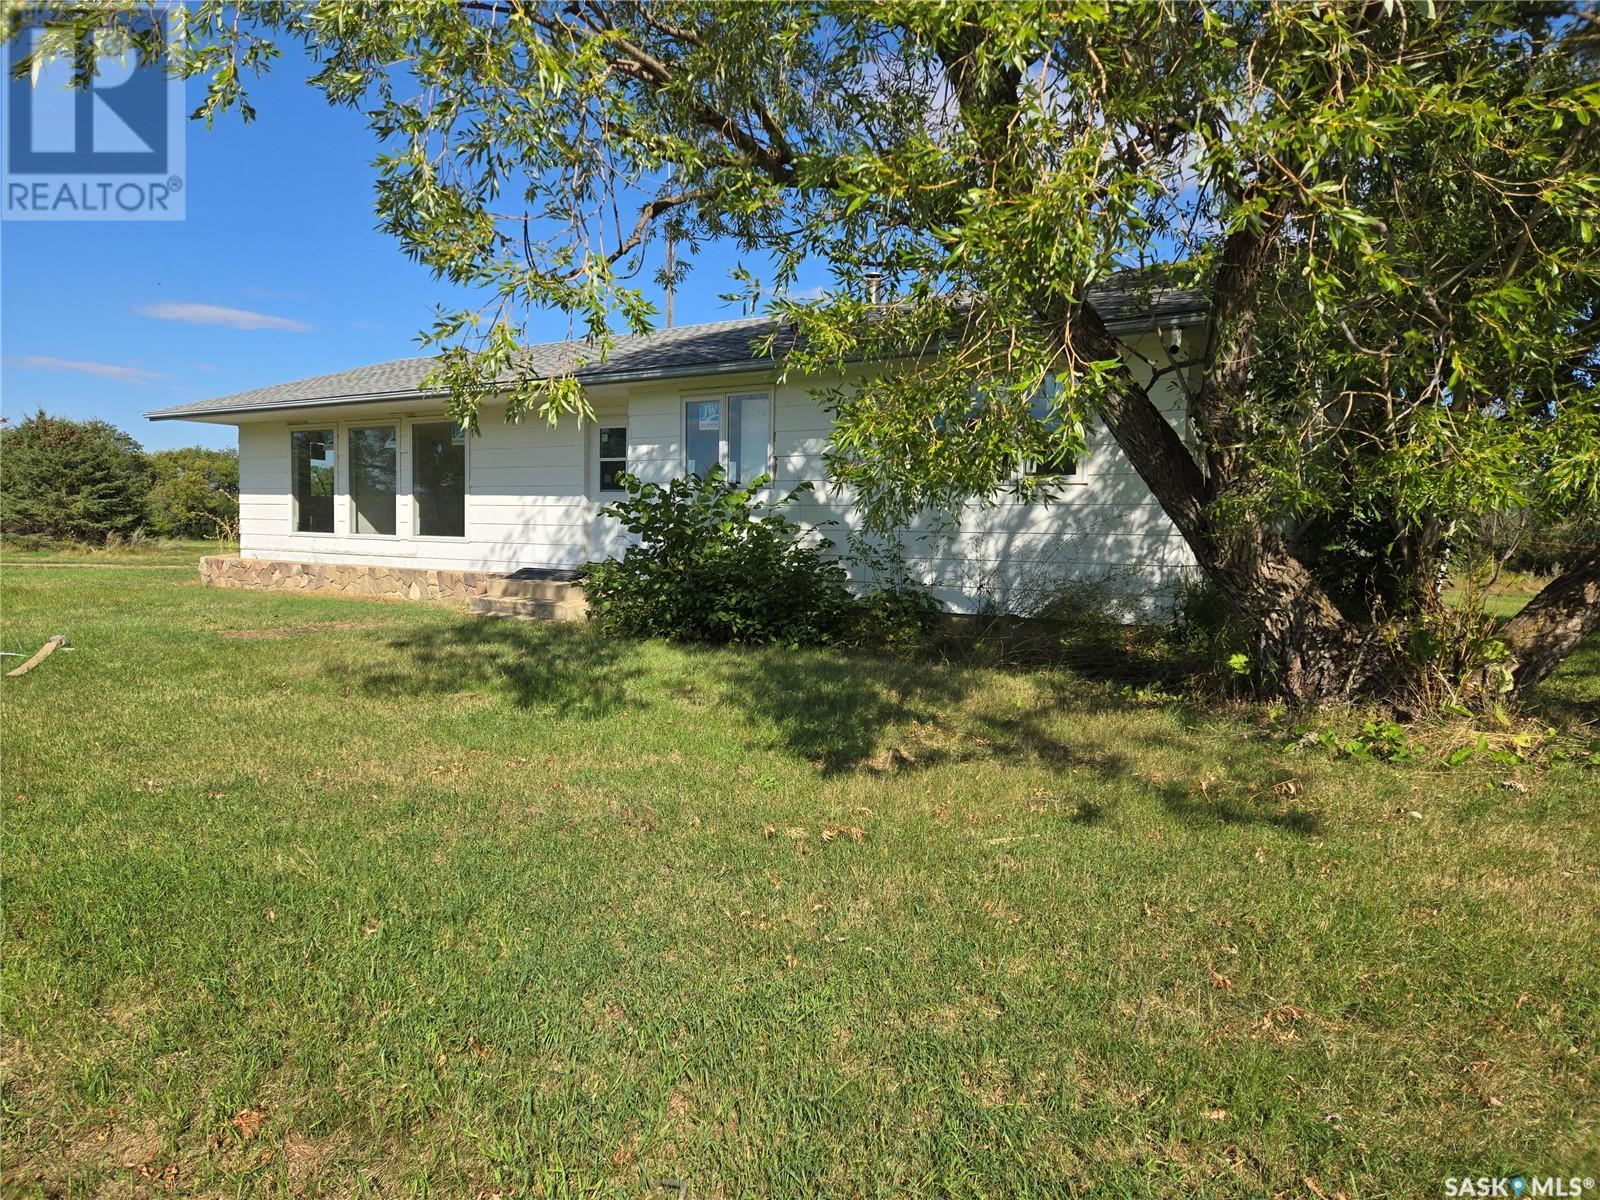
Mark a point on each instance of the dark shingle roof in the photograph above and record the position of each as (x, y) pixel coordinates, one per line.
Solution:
(1126, 304)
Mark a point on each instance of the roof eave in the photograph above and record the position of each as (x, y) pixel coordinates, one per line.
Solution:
(1144, 324)
(187, 414)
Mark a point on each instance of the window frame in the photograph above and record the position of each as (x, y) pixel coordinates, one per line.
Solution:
(349, 428)
(405, 478)
(725, 397)
(466, 482)
(1028, 468)
(598, 459)
(332, 428)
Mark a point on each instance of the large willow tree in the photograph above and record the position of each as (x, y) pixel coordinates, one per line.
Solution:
(1391, 208)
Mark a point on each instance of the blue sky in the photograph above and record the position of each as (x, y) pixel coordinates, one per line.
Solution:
(275, 274)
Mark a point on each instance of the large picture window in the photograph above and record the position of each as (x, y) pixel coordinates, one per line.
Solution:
(439, 479)
(735, 431)
(374, 479)
(311, 459)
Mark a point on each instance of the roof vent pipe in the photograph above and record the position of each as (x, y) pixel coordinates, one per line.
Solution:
(874, 279)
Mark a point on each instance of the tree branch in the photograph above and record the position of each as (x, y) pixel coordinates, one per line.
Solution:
(1564, 612)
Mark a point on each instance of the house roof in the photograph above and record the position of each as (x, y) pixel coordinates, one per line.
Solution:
(1125, 302)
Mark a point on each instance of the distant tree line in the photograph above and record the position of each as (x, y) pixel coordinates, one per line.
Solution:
(88, 481)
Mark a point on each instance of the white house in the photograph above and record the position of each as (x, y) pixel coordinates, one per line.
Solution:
(357, 481)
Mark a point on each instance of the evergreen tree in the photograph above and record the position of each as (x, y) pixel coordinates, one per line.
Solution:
(72, 480)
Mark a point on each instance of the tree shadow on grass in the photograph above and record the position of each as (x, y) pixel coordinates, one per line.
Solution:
(1573, 692)
(1248, 785)
(1238, 807)
(829, 708)
(540, 664)
(844, 713)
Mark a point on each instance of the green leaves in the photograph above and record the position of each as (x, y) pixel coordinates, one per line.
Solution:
(713, 561)
(71, 480)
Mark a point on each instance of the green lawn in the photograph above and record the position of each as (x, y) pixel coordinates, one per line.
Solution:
(153, 552)
(321, 897)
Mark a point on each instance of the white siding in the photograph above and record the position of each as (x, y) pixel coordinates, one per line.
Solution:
(527, 502)
(532, 502)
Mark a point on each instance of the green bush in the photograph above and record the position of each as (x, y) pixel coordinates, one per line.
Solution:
(194, 493)
(902, 618)
(70, 480)
(712, 564)
(1209, 640)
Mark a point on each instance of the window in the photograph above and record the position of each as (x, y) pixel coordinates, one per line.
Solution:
(311, 462)
(439, 479)
(374, 477)
(703, 439)
(735, 431)
(613, 456)
(749, 435)
(1062, 461)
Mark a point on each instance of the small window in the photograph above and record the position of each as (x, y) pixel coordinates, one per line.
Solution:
(311, 458)
(613, 456)
(735, 432)
(374, 479)
(1061, 462)
(439, 479)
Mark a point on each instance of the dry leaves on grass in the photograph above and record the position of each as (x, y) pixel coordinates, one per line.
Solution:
(1316, 1190)
(1280, 1022)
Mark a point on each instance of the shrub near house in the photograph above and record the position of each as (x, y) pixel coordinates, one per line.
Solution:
(711, 566)
(714, 563)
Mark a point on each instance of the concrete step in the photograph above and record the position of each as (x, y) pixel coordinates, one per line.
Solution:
(555, 590)
(528, 609)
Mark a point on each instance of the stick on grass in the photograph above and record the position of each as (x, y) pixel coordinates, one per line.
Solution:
(44, 652)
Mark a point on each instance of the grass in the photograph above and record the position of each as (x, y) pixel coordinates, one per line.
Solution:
(1505, 597)
(326, 897)
(144, 552)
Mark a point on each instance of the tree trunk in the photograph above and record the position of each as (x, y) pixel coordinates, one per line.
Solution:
(1305, 648)
(1554, 622)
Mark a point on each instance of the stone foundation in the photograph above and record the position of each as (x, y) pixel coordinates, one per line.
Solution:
(345, 579)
